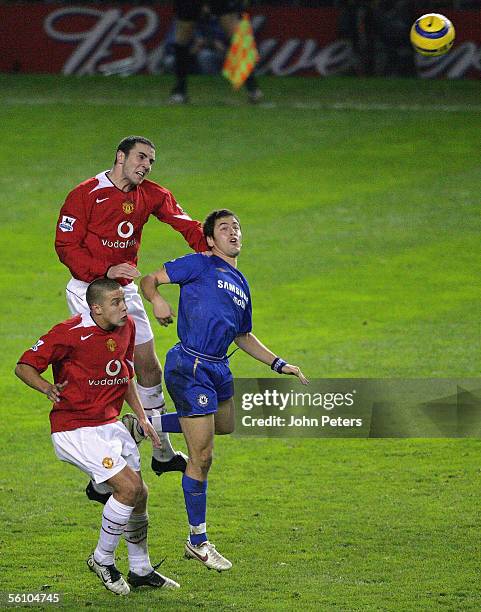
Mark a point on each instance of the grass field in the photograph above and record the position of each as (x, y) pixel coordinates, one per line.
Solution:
(360, 208)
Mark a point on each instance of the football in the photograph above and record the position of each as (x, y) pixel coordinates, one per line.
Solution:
(432, 35)
(135, 430)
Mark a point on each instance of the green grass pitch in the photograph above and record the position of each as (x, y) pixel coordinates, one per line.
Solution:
(359, 201)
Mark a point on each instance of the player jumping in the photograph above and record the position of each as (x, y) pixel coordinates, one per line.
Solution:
(214, 310)
(98, 234)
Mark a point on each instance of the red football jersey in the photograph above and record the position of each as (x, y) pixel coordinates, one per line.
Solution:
(98, 365)
(101, 226)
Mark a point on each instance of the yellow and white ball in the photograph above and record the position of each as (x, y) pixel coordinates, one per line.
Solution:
(432, 35)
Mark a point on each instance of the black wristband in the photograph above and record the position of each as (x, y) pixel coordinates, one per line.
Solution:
(278, 364)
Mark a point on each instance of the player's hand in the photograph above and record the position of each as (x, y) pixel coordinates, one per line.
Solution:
(150, 432)
(54, 392)
(163, 311)
(123, 270)
(295, 371)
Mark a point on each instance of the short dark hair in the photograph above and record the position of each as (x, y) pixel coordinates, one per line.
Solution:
(97, 289)
(128, 143)
(209, 223)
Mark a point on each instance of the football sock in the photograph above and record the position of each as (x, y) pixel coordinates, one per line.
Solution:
(168, 422)
(135, 535)
(153, 398)
(195, 495)
(182, 59)
(115, 518)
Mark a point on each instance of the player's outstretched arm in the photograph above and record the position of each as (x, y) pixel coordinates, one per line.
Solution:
(133, 400)
(161, 308)
(254, 347)
(32, 378)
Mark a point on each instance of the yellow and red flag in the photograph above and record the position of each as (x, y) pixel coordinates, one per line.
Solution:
(242, 55)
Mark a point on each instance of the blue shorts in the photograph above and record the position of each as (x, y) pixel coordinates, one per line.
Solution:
(196, 385)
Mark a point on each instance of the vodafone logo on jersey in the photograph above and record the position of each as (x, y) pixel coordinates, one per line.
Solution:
(125, 225)
(112, 368)
(125, 229)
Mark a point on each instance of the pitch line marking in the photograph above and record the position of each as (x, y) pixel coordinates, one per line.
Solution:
(299, 105)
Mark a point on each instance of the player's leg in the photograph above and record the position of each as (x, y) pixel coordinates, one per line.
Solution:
(127, 487)
(199, 436)
(125, 513)
(187, 12)
(190, 386)
(96, 451)
(149, 376)
(224, 420)
(229, 22)
(183, 36)
(112, 457)
(141, 571)
(149, 381)
(224, 384)
(225, 417)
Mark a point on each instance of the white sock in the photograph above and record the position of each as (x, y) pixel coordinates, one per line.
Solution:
(115, 518)
(153, 398)
(135, 535)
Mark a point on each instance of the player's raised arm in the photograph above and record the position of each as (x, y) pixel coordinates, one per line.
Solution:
(161, 308)
(254, 347)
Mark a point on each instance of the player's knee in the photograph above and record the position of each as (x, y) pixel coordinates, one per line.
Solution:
(203, 460)
(133, 489)
(224, 429)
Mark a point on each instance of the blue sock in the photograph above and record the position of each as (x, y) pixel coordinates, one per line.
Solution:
(169, 422)
(195, 495)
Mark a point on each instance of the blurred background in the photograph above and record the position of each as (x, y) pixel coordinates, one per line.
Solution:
(294, 37)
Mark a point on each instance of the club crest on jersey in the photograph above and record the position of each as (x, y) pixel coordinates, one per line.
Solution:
(67, 223)
(128, 207)
(111, 345)
(202, 400)
(108, 463)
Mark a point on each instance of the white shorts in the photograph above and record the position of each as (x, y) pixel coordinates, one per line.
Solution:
(76, 290)
(101, 451)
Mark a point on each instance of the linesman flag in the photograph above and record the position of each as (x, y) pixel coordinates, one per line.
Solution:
(242, 55)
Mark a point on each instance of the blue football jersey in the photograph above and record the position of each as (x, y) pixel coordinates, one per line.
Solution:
(215, 303)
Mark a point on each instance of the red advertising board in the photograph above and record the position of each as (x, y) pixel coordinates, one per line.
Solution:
(89, 39)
